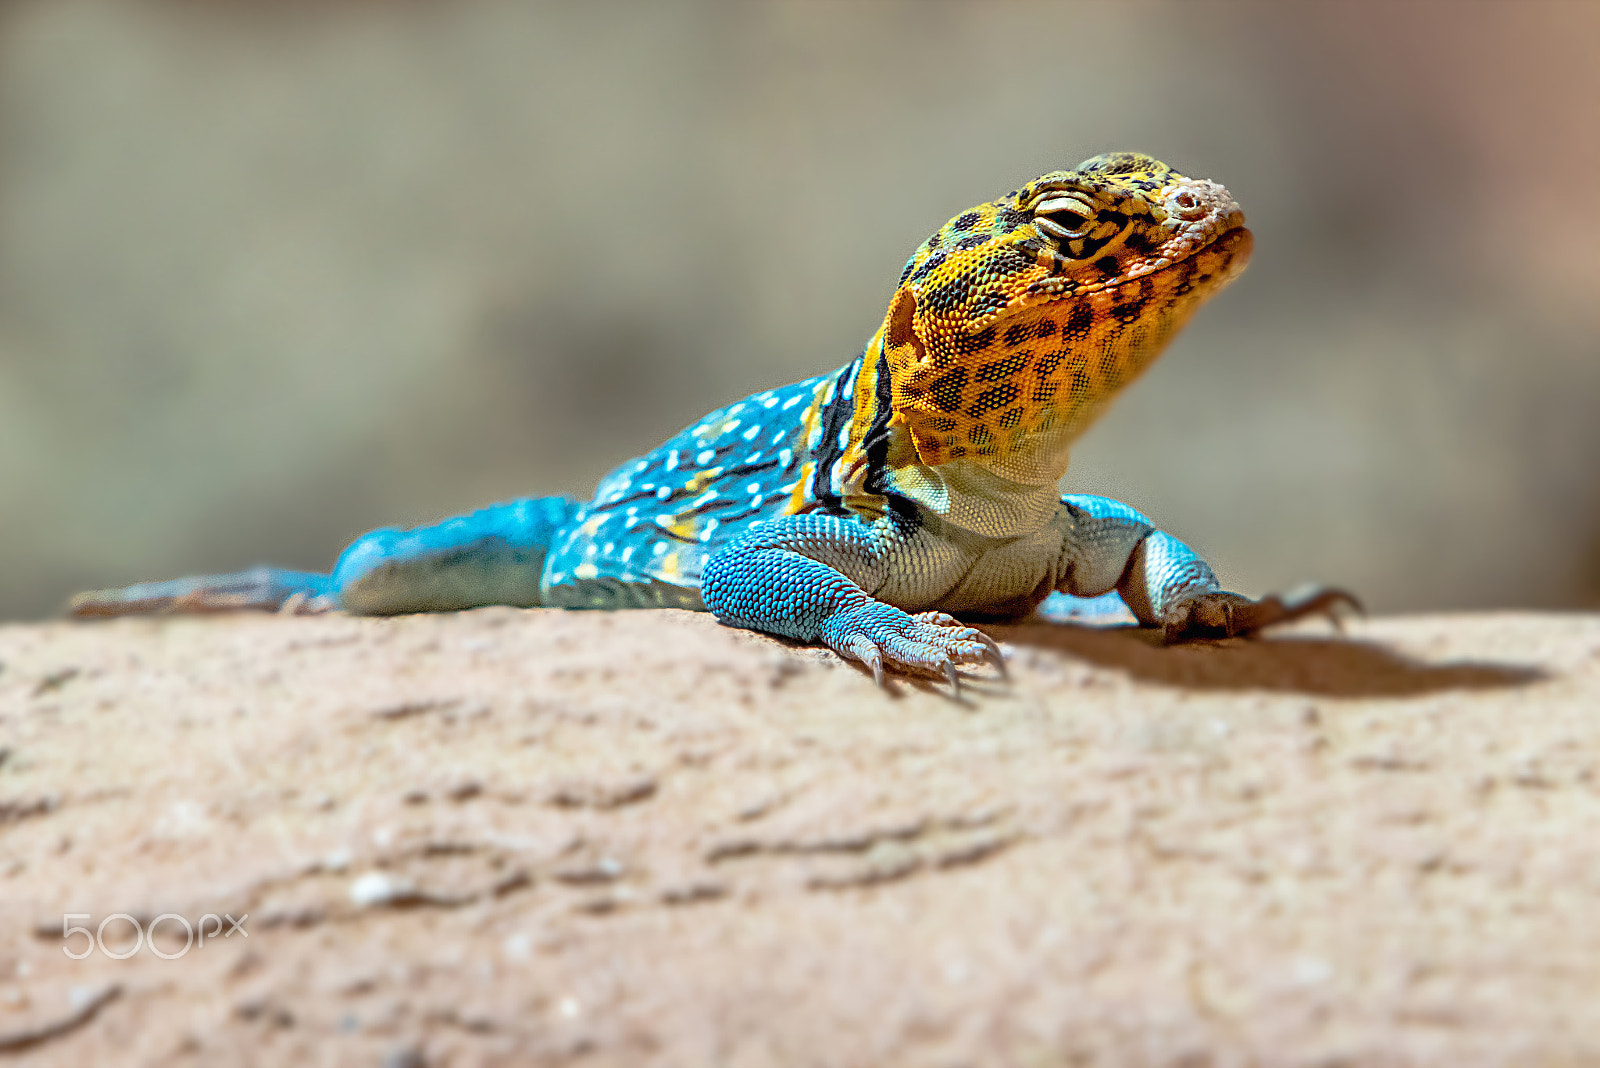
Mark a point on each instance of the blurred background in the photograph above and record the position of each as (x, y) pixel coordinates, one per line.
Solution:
(272, 274)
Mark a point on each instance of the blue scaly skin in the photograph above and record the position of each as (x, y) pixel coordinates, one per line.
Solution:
(869, 507)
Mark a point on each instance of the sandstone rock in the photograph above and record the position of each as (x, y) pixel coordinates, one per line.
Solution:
(535, 837)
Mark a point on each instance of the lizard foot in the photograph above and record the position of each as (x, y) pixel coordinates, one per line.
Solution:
(929, 643)
(1222, 614)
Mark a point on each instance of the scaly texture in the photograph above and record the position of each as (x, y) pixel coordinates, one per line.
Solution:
(865, 507)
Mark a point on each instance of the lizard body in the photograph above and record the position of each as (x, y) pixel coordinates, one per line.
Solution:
(864, 507)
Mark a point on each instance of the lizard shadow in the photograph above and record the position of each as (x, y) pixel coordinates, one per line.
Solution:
(1329, 667)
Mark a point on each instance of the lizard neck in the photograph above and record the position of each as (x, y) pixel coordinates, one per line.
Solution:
(862, 451)
(1014, 397)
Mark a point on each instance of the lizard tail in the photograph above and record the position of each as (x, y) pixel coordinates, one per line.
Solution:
(492, 556)
(267, 589)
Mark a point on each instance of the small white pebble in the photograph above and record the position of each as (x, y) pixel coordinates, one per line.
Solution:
(377, 888)
(1309, 971)
(518, 946)
(79, 996)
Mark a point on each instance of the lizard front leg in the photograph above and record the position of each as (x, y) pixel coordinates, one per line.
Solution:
(1166, 584)
(809, 577)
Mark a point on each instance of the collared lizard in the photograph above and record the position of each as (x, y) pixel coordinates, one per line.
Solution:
(868, 507)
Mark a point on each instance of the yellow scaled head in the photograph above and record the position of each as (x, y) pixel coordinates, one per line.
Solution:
(1022, 317)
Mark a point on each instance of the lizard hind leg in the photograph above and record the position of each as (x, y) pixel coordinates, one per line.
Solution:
(495, 555)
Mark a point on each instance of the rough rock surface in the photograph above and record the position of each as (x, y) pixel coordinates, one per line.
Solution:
(534, 837)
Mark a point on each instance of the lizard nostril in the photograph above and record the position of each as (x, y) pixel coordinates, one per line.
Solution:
(1188, 205)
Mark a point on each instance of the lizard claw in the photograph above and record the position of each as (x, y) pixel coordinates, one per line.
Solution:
(1231, 614)
(930, 643)
(995, 655)
(861, 647)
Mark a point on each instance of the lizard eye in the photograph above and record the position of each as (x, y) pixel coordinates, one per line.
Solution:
(1062, 218)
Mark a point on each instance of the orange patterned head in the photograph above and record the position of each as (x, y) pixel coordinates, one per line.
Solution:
(1021, 318)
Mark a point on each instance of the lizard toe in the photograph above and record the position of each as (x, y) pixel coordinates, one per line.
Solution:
(860, 647)
(931, 643)
(1329, 602)
(1206, 615)
(992, 653)
(1223, 614)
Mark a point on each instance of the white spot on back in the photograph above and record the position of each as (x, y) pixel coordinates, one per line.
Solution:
(848, 387)
(705, 456)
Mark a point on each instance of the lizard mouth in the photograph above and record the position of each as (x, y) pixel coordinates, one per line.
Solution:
(1195, 275)
(1198, 264)
(1226, 254)
(1237, 241)
(1223, 258)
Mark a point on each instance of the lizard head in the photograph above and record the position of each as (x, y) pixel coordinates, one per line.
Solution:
(1019, 319)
